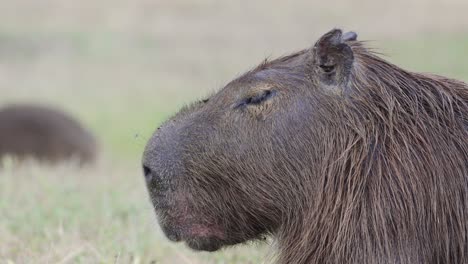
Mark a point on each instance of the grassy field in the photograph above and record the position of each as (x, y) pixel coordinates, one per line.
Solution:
(99, 215)
(122, 67)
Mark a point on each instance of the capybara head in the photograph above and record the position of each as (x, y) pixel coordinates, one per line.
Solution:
(340, 155)
(44, 134)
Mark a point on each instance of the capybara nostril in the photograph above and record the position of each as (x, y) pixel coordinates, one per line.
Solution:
(148, 173)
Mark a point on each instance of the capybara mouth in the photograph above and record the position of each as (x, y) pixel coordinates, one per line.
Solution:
(209, 244)
(204, 238)
(196, 236)
(171, 232)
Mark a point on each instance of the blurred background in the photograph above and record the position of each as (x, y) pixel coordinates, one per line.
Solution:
(121, 67)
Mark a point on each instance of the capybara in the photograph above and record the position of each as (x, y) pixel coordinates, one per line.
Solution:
(339, 155)
(44, 134)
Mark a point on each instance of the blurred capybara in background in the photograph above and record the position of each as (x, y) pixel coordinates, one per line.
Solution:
(340, 155)
(45, 134)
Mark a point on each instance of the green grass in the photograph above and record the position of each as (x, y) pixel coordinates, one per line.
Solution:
(122, 74)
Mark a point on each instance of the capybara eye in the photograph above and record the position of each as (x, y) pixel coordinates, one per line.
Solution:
(257, 99)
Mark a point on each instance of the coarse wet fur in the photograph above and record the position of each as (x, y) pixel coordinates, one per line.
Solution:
(339, 155)
(45, 134)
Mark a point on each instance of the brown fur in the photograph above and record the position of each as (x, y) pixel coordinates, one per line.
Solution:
(45, 134)
(345, 159)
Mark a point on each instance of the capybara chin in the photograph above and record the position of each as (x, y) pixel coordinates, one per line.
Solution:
(339, 155)
(45, 134)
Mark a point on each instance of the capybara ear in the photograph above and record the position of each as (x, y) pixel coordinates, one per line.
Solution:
(333, 59)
